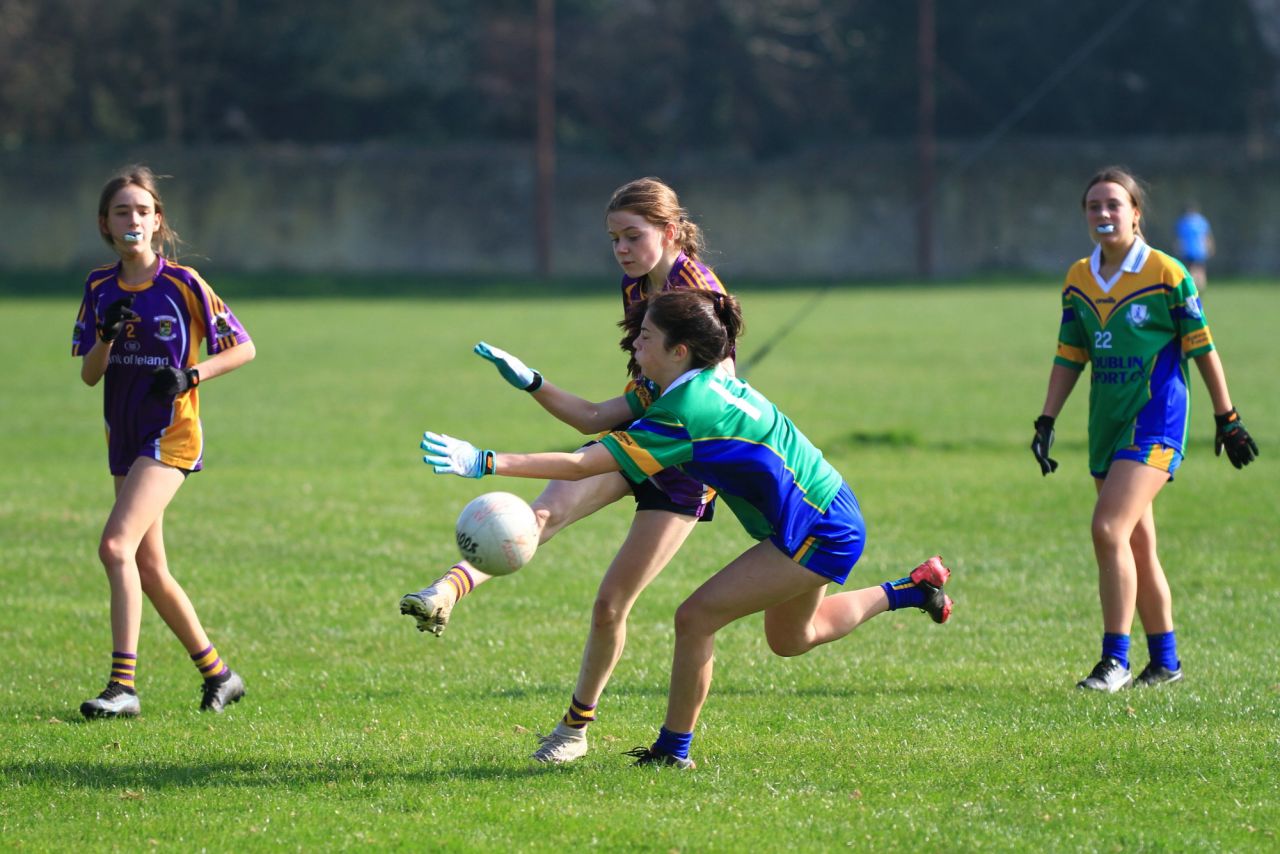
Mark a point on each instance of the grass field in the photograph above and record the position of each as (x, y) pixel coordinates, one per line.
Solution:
(315, 514)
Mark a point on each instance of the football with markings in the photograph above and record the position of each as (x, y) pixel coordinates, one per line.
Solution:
(497, 533)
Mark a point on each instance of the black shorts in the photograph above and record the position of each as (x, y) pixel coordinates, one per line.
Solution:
(650, 497)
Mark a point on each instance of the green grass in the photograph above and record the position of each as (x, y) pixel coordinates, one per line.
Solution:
(315, 515)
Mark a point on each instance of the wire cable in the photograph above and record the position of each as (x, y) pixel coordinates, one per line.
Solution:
(984, 145)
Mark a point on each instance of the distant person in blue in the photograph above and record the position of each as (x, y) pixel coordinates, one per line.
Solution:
(1193, 241)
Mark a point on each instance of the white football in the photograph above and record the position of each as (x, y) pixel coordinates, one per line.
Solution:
(497, 533)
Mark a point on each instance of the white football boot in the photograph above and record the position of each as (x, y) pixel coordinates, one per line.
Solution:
(564, 744)
(1108, 675)
(430, 607)
(115, 701)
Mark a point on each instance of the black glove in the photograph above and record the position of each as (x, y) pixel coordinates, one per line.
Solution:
(1042, 443)
(1241, 449)
(170, 381)
(115, 317)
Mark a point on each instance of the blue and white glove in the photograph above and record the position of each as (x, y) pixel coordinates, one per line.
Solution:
(447, 455)
(512, 369)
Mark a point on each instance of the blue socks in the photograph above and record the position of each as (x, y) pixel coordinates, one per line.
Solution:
(1164, 650)
(674, 743)
(903, 593)
(1117, 647)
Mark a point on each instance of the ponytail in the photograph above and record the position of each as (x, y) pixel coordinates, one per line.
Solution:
(729, 313)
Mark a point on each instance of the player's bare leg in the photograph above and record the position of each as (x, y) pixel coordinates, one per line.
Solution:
(222, 685)
(166, 594)
(141, 497)
(760, 578)
(653, 540)
(1154, 601)
(1155, 607)
(798, 616)
(561, 504)
(1124, 499)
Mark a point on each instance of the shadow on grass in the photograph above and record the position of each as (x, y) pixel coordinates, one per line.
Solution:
(252, 773)
(906, 438)
(869, 691)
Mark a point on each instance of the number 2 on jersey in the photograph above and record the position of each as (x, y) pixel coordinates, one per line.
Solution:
(1101, 340)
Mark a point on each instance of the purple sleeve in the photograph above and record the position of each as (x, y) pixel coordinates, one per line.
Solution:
(85, 334)
(222, 327)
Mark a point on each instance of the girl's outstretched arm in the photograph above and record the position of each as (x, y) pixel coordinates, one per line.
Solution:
(579, 413)
(447, 455)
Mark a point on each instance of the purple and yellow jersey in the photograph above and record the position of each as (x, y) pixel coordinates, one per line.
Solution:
(686, 274)
(640, 393)
(724, 433)
(1138, 330)
(177, 311)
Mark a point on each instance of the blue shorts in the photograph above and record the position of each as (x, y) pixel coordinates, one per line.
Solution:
(835, 542)
(1153, 454)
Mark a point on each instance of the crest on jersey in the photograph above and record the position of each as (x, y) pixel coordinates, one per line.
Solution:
(1138, 314)
(1194, 309)
(166, 327)
(221, 324)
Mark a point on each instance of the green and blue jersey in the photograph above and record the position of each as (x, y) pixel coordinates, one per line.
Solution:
(724, 433)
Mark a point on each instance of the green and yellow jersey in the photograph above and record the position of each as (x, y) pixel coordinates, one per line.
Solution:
(1138, 330)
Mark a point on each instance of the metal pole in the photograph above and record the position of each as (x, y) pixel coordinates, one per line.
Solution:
(926, 144)
(545, 145)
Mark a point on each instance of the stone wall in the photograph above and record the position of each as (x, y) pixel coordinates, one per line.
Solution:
(830, 214)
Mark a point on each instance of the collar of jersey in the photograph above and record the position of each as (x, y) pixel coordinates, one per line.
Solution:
(630, 281)
(1133, 262)
(681, 380)
(133, 289)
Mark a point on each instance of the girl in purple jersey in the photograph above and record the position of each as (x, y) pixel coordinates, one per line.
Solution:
(140, 326)
(657, 245)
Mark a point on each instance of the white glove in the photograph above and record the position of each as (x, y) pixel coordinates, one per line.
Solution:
(512, 369)
(447, 455)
